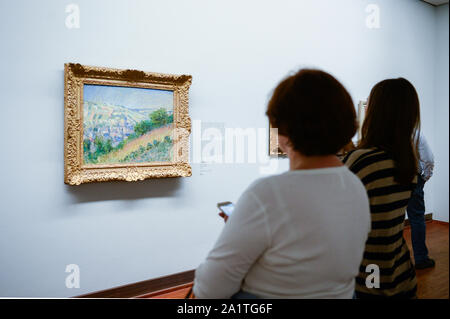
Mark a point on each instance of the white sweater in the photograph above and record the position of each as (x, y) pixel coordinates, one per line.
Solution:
(300, 234)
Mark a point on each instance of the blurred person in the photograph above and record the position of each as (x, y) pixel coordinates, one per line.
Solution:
(416, 207)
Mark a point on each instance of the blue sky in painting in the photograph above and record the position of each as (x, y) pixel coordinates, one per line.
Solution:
(128, 97)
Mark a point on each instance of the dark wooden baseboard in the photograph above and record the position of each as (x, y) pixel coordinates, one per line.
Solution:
(166, 292)
(144, 287)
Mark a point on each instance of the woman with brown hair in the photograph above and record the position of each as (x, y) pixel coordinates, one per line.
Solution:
(386, 162)
(300, 234)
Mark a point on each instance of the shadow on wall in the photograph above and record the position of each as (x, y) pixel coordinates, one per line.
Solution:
(104, 191)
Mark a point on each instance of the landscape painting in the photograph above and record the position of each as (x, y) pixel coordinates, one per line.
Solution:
(126, 125)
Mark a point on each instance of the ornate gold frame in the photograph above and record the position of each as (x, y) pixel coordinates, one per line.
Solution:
(75, 76)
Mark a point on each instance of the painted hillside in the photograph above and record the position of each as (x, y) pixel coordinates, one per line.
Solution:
(115, 134)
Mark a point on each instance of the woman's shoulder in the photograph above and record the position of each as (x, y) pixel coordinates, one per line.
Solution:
(264, 187)
(365, 155)
(263, 183)
(361, 152)
(363, 162)
(258, 194)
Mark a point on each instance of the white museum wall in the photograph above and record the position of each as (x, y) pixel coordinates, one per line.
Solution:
(236, 51)
(441, 142)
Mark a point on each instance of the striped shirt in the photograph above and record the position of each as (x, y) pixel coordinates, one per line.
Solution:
(385, 245)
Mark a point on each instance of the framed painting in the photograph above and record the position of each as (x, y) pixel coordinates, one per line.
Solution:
(362, 107)
(274, 149)
(124, 125)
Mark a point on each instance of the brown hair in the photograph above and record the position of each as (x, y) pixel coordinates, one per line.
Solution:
(314, 111)
(392, 123)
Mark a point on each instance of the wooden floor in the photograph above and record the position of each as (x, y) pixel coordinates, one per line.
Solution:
(432, 283)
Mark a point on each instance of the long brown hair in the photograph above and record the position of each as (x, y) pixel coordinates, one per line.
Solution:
(392, 124)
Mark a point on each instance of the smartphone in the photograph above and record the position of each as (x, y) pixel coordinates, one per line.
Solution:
(226, 207)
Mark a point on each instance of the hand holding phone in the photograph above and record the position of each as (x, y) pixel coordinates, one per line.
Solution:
(226, 209)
